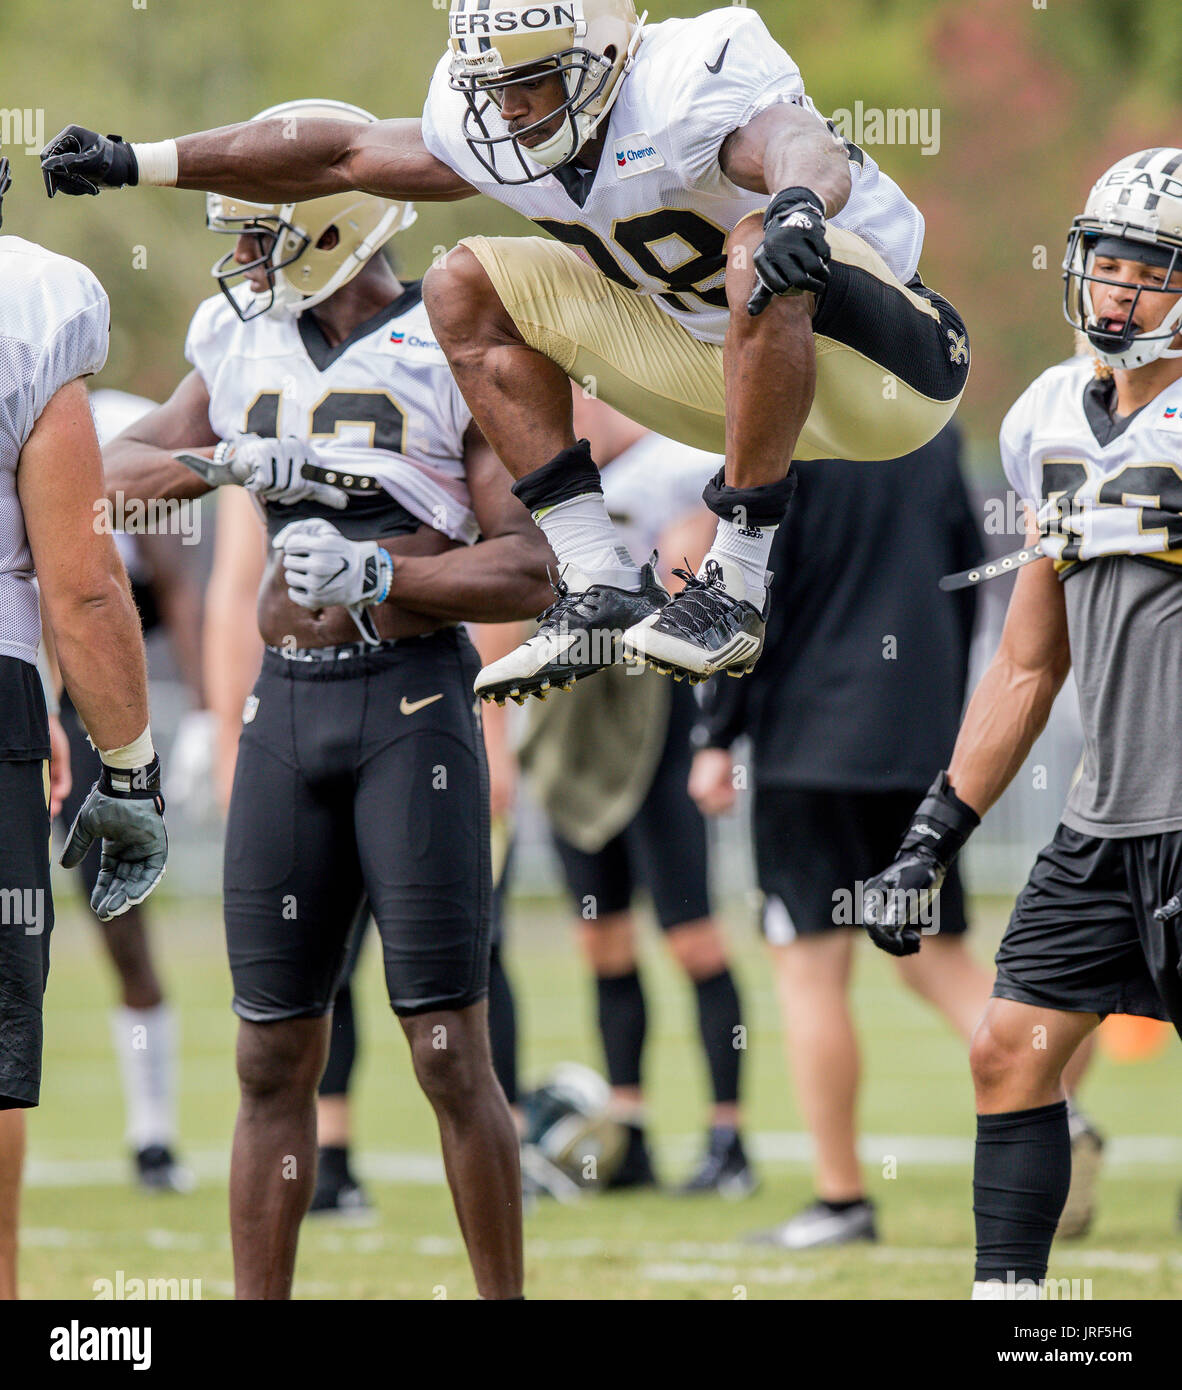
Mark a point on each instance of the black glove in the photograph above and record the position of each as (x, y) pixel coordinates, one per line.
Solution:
(893, 901)
(126, 810)
(78, 161)
(793, 254)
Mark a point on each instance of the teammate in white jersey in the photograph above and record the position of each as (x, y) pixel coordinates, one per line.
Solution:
(54, 323)
(360, 783)
(1098, 927)
(795, 327)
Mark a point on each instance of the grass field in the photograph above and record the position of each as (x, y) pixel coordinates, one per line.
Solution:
(83, 1221)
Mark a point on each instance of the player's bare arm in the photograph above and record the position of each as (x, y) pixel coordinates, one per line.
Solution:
(785, 146)
(503, 577)
(279, 160)
(1008, 711)
(1010, 707)
(100, 648)
(140, 462)
(82, 579)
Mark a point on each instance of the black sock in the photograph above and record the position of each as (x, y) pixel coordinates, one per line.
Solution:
(502, 1026)
(719, 1019)
(622, 1025)
(1021, 1175)
(571, 473)
(841, 1206)
(333, 1161)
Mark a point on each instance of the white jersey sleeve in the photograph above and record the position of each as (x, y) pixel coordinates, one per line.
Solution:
(1014, 441)
(56, 312)
(753, 73)
(208, 335)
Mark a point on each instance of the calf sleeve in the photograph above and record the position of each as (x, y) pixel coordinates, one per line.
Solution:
(1021, 1174)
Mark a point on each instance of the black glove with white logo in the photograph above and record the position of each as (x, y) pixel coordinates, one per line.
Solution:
(126, 811)
(794, 254)
(894, 901)
(78, 161)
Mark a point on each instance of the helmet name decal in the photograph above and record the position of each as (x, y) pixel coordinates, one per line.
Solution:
(476, 23)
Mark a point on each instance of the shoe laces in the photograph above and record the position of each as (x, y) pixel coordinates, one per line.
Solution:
(696, 607)
(584, 604)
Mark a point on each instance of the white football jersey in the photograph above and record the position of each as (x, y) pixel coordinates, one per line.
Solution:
(54, 327)
(382, 403)
(1102, 487)
(660, 208)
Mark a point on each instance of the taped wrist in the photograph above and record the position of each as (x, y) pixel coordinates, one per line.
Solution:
(572, 473)
(942, 823)
(765, 505)
(156, 163)
(789, 198)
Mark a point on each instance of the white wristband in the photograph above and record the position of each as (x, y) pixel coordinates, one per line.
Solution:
(138, 753)
(157, 163)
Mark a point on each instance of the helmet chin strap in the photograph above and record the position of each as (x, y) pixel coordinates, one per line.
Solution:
(1140, 348)
(559, 147)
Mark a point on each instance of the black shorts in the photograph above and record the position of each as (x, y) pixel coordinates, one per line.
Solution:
(26, 920)
(814, 850)
(1083, 937)
(663, 847)
(360, 782)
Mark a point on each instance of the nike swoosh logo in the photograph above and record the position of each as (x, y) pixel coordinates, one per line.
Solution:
(716, 66)
(409, 707)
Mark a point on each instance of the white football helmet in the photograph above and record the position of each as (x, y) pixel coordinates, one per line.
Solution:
(1134, 213)
(590, 44)
(299, 272)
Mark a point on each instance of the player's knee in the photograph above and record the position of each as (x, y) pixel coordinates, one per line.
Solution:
(280, 1060)
(997, 1058)
(698, 948)
(461, 303)
(451, 1060)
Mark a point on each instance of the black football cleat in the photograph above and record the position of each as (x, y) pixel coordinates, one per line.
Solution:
(724, 1170)
(700, 631)
(579, 634)
(341, 1197)
(157, 1170)
(636, 1165)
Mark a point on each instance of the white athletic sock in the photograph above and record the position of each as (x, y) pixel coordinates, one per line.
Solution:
(743, 551)
(1017, 1291)
(582, 534)
(145, 1046)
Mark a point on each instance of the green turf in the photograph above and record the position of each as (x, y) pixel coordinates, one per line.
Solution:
(645, 1246)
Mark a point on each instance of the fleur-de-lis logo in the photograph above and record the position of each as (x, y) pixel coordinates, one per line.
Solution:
(958, 349)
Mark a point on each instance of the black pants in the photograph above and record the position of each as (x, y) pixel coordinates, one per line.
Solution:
(360, 782)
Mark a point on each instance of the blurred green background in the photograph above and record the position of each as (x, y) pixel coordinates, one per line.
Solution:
(1035, 98)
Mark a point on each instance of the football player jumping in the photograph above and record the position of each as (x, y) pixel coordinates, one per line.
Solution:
(360, 777)
(1096, 446)
(722, 268)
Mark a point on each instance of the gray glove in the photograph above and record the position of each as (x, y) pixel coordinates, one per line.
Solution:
(126, 811)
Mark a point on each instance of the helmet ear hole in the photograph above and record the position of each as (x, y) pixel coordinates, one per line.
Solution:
(329, 239)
